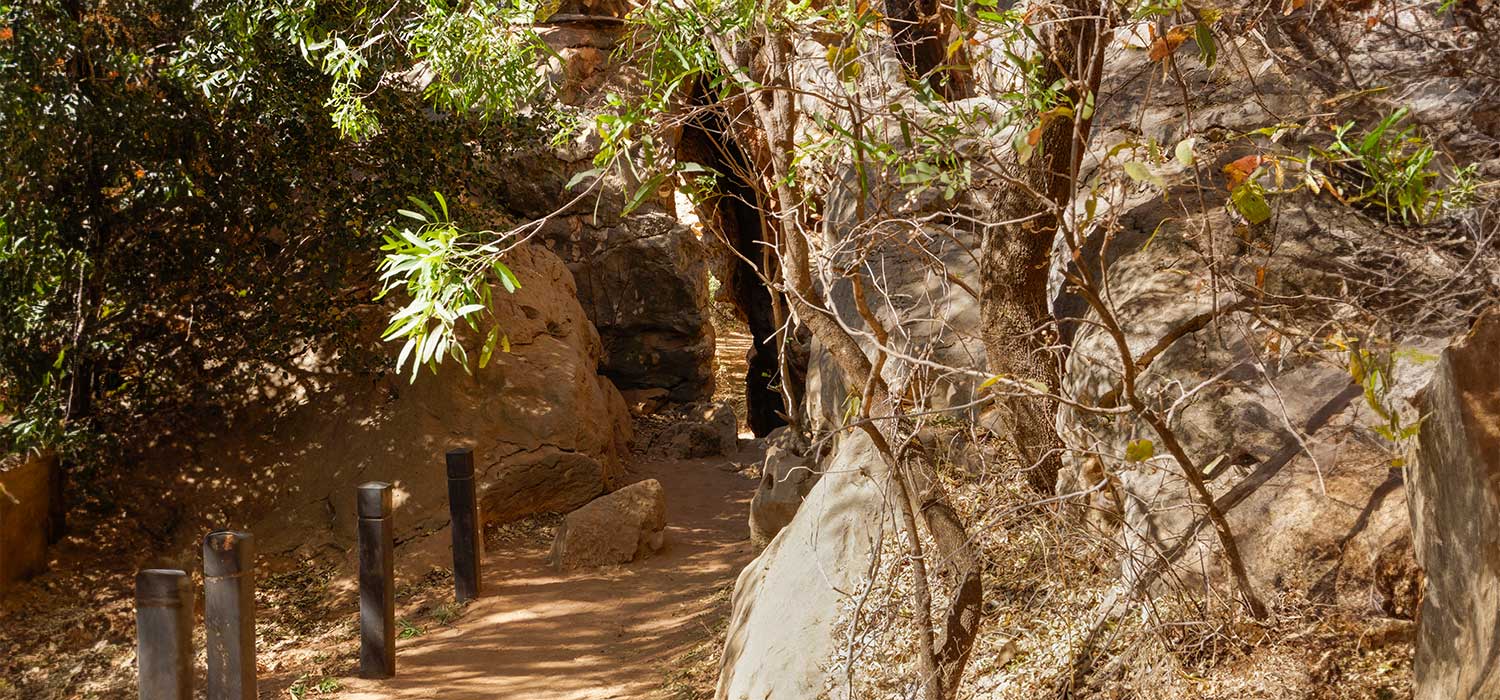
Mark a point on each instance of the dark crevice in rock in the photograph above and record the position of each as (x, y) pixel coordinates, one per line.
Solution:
(735, 232)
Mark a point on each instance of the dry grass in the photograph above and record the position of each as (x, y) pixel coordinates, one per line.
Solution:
(1046, 573)
(694, 674)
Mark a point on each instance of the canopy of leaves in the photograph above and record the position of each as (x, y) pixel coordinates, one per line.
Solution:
(194, 191)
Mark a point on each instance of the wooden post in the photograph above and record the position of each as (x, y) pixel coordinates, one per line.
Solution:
(377, 583)
(164, 634)
(229, 614)
(463, 508)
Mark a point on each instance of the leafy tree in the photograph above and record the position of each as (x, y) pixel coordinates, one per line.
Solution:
(193, 192)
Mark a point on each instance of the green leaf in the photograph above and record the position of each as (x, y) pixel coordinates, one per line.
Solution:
(1208, 50)
(1184, 152)
(489, 346)
(405, 350)
(1023, 146)
(1373, 138)
(691, 167)
(645, 191)
(412, 215)
(1140, 173)
(425, 207)
(580, 177)
(507, 277)
(1250, 203)
(1139, 450)
(410, 327)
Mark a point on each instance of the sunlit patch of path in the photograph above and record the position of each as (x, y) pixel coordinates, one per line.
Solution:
(541, 634)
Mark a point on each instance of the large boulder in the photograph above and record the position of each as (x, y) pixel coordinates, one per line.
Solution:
(787, 602)
(549, 433)
(787, 474)
(29, 485)
(920, 281)
(617, 528)
(1454, 498)
(644, 283)
(1243, 336)
(1287, 440)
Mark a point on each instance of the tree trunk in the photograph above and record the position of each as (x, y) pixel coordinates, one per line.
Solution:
(1016, 332)
(1014, 261)
(92, 227)
(920, 31)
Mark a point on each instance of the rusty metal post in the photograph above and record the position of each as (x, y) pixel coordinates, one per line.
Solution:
(164, 634)
(377, 583)
(229, 614)
(463, 509)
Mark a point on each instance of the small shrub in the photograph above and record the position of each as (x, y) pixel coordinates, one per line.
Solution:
(406, 629)
(1392, 165)
(305, 687)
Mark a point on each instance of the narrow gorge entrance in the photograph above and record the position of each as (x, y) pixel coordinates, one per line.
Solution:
(735, 231)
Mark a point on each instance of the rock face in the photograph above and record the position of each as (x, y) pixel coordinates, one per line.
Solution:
(1254, 391)
(644, 283)
(921, 297)
(548, 431)
(1455, 511)
(787, 475)
(642, 278)
(617, 528)
(28, 486)
(1306, 484)
(1246, 375)
(787, 601)
(707, 430)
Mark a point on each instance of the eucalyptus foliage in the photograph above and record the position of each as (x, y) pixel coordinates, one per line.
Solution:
(470, 56)
(445, 275)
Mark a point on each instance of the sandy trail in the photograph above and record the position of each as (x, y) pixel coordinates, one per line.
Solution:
(540, 634)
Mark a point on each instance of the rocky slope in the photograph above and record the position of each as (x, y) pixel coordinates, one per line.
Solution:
(549, 432)
(1249, 328)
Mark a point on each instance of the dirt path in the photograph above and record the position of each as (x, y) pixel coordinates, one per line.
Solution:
(613, 633)
(650, 630)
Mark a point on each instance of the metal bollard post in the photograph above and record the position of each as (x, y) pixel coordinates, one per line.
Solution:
(463, 508)
(229, 614)
(164, 634)
(377, 583)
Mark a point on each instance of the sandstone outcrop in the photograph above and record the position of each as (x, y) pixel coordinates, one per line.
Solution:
(29, 486)
(787, 601)
(1455, 510)
(642, 276)
(549, 433)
